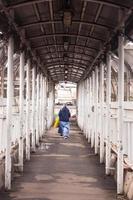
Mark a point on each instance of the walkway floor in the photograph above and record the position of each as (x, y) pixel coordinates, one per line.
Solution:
(63, 170)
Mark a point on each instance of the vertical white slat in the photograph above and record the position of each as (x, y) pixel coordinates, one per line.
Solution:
(87, 107)
(96, 110)
(93, 110)
(28, 110)
(37, 111)
(21, 104)
(101, 113)
(108, 101)
(9, 113)
(131, 142)
(42, 105)
(45, 104)
(39, 123)
(84, 104)
(90, 110)
(33, 107)
(53, 101)
(120, 114)
(128, 124)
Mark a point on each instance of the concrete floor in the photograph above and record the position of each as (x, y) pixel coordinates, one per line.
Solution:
(63, 170)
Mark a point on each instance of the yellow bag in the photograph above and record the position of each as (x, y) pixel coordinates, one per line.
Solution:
(56, 123)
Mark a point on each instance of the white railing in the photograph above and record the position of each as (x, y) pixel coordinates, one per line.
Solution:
(89, 127)
(127, 140)
(15, 127)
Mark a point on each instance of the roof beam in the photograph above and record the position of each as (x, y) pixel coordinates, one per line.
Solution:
(59, 74)
(27, 3)
(68, 58)
(81, 19)
(106, 3)
(51, 70)
(67, 52)
(122, 21)
(67, 35)
(20, 33)
(62, 45)
(60, 21)
(76, 64)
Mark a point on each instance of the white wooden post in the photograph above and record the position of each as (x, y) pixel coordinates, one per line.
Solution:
(37, 112)
(9, 113)
(96, 110)
(87, 106)
(42, 106)
(45, 104)
(78, 102)
(83, 102)
(52, 104)
(33, 107)
(21, 100)
(108, 101)
(120, 114)
(101, 114)
(40, 103)
(90, 109)
(84, 107)
(93, 110)
(28, 110)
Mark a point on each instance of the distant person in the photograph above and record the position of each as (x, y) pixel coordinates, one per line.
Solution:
(64, 127)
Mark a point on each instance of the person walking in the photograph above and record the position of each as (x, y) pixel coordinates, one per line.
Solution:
(64, 116)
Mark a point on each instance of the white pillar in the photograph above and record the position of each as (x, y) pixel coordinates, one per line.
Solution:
(21, 100)
(96, 110)
(93, 114)
(120, 115)
(40, 103)
(9, 113)
(33, 107)
(46, 110)
(101, 113)
(90, 110)
(86, 106)
(43, 105)
(37, 112)
(28, 110)
(108, 101)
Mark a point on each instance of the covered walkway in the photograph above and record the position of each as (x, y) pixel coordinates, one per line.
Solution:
(89, 43)
(61, 170)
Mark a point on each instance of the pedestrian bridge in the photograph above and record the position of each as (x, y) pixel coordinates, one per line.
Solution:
(90, 43)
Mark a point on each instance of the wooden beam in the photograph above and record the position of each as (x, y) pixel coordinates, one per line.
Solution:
(63, 35)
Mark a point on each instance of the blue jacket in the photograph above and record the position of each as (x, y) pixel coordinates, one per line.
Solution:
(64, 114)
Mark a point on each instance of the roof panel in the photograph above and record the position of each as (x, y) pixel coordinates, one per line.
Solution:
(61, 46)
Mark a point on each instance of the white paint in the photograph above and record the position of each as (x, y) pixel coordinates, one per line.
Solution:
(33, 128)
(21, 105)
(37, 112)
(96, 110)
(108, 101)
(120, 115)
(28, 110)
(93, 110)
(9, 113)
(101, 114)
